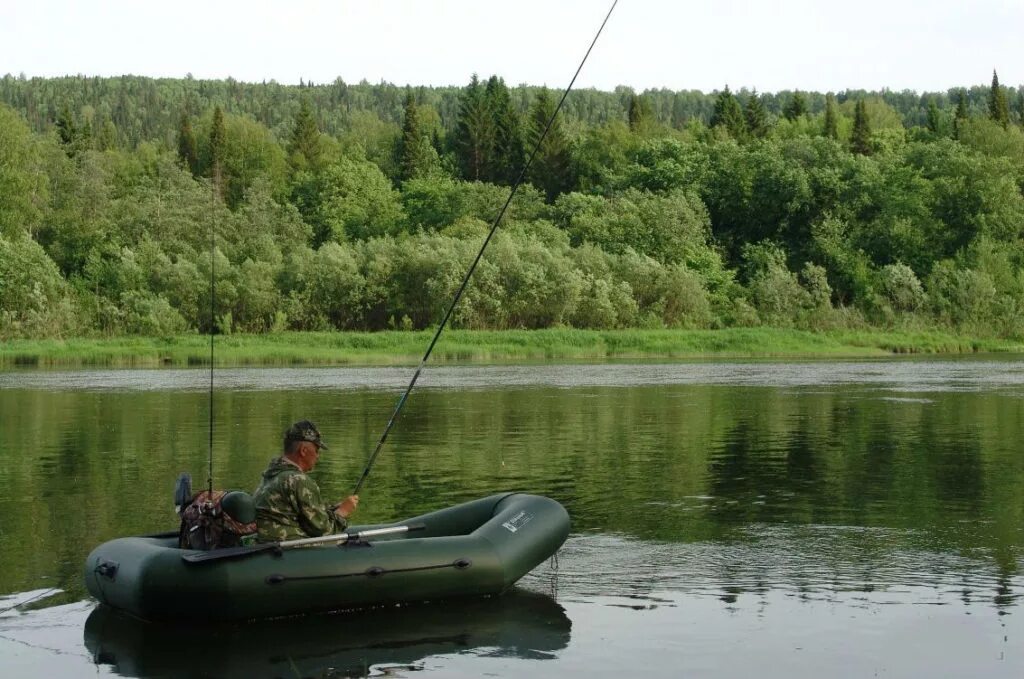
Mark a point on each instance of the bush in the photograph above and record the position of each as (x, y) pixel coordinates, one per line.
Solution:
(143, 313)
(34, 298)
(961, 297)
(901, 287)
(774, 289)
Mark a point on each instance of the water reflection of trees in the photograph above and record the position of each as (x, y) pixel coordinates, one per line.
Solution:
(676, 464)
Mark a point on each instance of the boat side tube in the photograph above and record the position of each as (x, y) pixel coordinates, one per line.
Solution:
(525, 531)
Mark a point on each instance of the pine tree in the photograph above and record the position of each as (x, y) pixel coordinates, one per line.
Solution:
(796, 108)
(998, 108)
(961, 115)
(728, 114)
(187, 153)
(1020, 107)
(756, 116)
(551, 169)
(933, 116)
(416, 155)
(304, 148)
(831, 128)
(509, 152)
(861, 140)
(218, 142)
(474, 132)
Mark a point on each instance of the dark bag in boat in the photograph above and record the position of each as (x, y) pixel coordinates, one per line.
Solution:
(224, 519)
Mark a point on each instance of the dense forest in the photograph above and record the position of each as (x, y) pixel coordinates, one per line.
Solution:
(337, 206)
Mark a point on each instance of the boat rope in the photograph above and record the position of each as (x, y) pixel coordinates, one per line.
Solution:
(472, 267)
(374, 572)
(554, 574)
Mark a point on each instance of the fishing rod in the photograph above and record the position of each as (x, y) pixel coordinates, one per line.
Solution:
(472, 268)
(213, 306)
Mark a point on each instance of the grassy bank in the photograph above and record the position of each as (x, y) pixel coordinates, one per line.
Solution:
(386, 348)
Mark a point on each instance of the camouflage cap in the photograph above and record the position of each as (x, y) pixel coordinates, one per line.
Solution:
(304, 430)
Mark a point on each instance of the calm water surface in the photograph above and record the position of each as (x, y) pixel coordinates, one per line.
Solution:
(729, 519)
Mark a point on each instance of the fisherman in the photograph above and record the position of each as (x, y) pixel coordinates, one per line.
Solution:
(288, 504)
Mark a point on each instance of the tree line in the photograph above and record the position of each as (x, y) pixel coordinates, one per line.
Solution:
(359, 207)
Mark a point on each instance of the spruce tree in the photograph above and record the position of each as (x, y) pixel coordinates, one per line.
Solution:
(1020, 107)
(551, 170)
(474, 134)
(187, 153)
(728, 114)
(218, 142)
(861, 140)
(961, 115)
(304, 148)
(67, 132)
(509, 152)
(797, 106)
(998, 108)
(639, 112)
(84, 141)
(933, 116)
(416, 155)
(831, 127)
(756, 116)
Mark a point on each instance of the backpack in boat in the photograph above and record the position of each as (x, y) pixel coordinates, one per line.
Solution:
(223, 519)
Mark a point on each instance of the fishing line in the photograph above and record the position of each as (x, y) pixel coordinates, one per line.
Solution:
(472, 268)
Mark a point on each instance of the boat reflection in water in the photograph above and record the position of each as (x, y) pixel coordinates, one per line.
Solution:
(519, 624)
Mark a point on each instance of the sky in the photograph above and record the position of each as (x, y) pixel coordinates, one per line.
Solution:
(923, 45)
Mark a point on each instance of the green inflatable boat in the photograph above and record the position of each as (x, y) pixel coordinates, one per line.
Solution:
(476, 548)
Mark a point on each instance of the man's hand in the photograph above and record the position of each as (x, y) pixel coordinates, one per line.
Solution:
(347, 506)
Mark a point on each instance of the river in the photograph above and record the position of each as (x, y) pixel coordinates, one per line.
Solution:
(794, 519)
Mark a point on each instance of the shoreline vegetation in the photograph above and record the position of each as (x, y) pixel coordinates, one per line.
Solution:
(334, 222)
(476, 346)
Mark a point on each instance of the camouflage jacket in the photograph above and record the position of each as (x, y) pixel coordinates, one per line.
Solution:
(288, 505)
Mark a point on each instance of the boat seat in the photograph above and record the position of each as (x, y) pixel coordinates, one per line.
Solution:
(240, 506)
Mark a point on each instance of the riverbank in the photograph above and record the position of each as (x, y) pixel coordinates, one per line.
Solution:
(468, 346)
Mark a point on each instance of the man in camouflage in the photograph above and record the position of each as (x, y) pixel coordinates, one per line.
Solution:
(288, 504)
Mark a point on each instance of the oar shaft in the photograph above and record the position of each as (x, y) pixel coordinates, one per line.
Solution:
(341, 538)
(338, 538)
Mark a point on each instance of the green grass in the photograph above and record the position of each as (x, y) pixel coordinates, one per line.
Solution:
(466, 346)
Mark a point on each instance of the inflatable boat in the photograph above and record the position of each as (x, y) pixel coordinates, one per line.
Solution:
(477, 548)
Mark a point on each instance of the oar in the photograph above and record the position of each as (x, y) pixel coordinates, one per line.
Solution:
(338, 538)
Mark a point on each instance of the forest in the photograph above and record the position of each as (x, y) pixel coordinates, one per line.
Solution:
(359, 207)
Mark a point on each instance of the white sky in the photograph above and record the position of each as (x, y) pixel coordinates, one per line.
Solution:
(688, 44)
